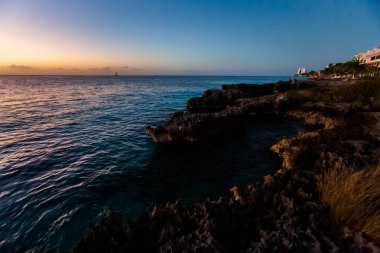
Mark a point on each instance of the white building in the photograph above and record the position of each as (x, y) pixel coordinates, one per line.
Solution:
(301, 71)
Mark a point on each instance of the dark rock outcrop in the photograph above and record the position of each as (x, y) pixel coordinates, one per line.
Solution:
(190, 126)
(352, 142)
(218, 100)
(108, 235)
(224, 110)
(214, 100)
(186, 126)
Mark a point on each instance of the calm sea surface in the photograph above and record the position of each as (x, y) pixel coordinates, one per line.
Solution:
(72, 147)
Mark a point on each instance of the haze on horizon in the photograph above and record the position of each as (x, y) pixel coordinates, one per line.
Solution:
(140, 37)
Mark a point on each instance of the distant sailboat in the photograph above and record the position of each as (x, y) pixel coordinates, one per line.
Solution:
(116, 75)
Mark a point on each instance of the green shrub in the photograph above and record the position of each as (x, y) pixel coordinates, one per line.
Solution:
(363, 93)
(352, 67)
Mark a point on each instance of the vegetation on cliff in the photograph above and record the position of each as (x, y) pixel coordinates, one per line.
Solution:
(353, 198)
(353, 68)
(363, 93)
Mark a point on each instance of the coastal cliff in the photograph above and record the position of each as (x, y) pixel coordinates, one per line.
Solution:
(286, 211)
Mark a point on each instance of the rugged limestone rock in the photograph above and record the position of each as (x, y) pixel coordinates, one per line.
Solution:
(186, 126)
(349, 143)
(107, 235)
(214, 100)
(218, 100)
(190, 126)
(224, 110)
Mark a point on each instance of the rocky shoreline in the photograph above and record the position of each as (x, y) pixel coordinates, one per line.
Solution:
(282, 213)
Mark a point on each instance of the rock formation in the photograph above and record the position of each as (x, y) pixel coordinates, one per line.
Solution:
(218, 111)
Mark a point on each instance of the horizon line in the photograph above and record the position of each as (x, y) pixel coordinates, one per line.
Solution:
(143, 75)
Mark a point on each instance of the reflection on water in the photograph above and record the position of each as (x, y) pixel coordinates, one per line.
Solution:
(72, 147)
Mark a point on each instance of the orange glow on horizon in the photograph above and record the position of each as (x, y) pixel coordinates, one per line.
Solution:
(25, 51)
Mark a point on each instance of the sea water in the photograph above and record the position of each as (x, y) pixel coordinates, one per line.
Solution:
(73, 147)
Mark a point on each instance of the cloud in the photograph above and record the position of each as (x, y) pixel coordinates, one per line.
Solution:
(136, 69)
(108, 68)
(21, 67)
(131, 68)
(15, 69)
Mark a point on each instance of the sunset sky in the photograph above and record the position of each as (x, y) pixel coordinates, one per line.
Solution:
(176, 37)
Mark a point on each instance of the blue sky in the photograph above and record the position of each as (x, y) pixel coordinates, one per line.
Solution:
(183, 37)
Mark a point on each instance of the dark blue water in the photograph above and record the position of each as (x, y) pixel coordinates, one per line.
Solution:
(72, 147)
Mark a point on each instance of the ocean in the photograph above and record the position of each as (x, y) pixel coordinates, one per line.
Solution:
(71, 147)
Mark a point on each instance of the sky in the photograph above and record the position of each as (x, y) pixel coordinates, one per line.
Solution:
(178, 37)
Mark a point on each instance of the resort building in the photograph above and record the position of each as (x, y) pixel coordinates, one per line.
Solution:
(371, 57)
